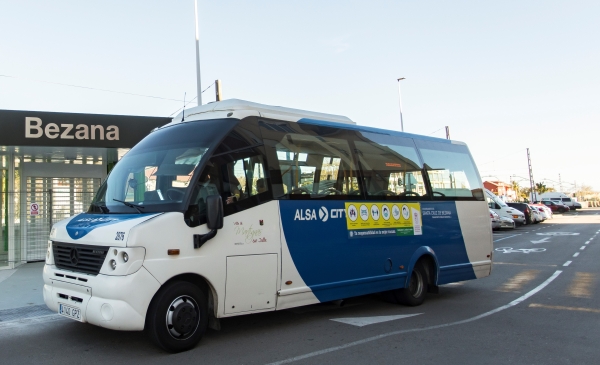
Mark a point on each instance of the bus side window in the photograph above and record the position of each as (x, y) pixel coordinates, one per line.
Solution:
(451, 171)
(310, 162)
(244, 178)
(391, 167)
(315, 167)
(208, 184)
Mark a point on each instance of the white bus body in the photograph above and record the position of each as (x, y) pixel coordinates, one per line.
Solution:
(239, 208)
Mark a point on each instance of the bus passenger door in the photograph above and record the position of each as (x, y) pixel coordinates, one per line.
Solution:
(250, 238)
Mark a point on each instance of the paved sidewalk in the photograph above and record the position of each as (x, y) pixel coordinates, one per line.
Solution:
(22, 287)
(21, 298)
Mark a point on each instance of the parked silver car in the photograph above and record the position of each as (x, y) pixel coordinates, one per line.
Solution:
(495, 218)
(506, 222)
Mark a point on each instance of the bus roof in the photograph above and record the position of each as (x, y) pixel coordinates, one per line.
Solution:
(267, 111)
(288, 114)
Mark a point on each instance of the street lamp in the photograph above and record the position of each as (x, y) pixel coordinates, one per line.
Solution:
(400, 102)
(198, 84)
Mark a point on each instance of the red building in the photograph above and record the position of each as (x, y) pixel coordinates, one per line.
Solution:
(501, 189)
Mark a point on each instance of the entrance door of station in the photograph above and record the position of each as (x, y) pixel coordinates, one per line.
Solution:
(50, 200)
(53, 192)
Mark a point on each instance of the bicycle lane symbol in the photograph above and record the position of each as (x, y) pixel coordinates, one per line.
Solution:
(519, 250)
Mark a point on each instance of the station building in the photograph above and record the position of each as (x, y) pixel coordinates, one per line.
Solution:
(51, 165)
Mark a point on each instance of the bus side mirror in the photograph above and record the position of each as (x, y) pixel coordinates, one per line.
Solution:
(214, 220)
(214, 212)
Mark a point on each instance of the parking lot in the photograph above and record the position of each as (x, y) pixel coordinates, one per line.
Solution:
(539, 306)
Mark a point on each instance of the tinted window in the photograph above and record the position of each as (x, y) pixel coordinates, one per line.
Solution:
(236, 171)
(156, 174)
(390, 167)
(309, 162)
(451, 171)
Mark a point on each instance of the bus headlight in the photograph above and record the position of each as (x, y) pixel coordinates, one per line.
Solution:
(49, 254)
(123, 260)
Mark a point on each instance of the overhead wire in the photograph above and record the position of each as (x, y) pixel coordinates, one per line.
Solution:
(90, 88)
(435, 131)
(188, 103)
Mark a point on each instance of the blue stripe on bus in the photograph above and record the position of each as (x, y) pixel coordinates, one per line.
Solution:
(83, 224)
(335, 266)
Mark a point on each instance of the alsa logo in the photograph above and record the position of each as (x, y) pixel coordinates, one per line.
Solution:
(33, 129)
(324, 215)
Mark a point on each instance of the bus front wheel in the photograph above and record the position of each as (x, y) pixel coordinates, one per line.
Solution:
(177, 317)
(416, 291)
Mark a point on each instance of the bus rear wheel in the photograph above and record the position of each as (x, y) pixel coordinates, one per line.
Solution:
(416, 291)
(177, 317)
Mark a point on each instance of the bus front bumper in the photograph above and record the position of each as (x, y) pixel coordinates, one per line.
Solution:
(114, 302)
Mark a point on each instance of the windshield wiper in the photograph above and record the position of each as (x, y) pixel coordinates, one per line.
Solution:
(103, 208)
(136, 207)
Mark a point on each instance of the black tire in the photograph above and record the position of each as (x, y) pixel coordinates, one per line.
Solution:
(415, 294)
(177, 317)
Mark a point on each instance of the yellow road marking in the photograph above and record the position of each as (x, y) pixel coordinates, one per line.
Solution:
(560, 307)
(519, 280)
(581, 285)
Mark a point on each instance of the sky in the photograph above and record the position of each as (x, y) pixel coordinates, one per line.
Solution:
(504, 76)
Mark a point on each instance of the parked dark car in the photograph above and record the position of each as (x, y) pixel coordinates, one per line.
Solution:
(523, 207)
(555, 206)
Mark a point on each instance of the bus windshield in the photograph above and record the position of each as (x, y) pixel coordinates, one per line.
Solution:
(156, 174)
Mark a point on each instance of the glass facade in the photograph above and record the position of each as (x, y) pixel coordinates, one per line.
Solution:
(51, 165)
(40, 186)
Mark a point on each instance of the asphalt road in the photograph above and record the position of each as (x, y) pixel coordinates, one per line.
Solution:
(539, 306)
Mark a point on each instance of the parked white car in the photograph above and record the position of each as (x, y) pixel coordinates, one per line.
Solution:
(536, 216)
(503, 210)
(541, 211)
(546, 209)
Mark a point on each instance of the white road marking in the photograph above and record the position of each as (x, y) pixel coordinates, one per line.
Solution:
(519, 250)
(514, 235)
(576, 254)
(542, 240)
(28, 321)
(365, 321)
(582, 248)
(384, 335)
(567, 263)
(558, 234)
(587, 242)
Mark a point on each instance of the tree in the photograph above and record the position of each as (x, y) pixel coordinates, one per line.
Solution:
(518, 191)
(541, 188)
(586, 192)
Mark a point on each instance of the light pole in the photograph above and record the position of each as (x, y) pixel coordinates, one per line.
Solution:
(400, 102)
(198, 84)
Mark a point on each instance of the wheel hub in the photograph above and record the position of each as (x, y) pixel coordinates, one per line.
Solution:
(416, 284)
(182, 317)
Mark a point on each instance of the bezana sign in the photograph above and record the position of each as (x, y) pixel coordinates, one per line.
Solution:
(33, 129)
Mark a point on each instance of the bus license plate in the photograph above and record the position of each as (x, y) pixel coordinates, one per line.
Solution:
(68, 311)
(515, 216)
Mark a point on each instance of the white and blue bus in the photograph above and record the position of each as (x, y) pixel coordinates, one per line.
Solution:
(236, 208)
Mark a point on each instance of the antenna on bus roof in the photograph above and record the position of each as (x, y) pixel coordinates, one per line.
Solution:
(183, 111)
